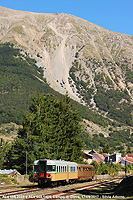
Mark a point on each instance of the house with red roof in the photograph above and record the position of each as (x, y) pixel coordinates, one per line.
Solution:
(93, 156)
(130, 155)
(126, 160)
(98, 157)
(114, 158)
(87, 157)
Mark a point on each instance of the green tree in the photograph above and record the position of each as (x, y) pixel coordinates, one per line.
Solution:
(123, 153)
(106, 148)
(50, 130)
(129, 167)
(103, 168)
(4, 148)
(128, 148)
(96, 166)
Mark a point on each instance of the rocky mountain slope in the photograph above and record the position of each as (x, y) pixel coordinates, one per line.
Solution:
(77, 56)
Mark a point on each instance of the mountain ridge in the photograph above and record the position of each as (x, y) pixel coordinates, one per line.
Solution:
(76, 55)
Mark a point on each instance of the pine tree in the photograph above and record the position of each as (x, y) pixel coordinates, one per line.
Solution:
(50, 130)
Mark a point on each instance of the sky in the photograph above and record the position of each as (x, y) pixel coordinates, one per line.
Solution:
(114, 15)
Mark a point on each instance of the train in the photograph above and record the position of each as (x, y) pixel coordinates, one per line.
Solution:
(54, 172)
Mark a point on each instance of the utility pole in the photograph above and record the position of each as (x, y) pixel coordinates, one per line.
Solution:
(26, 158)
(125, 168)
(26, 165)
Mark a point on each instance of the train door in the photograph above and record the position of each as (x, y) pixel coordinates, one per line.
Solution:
(42, 168)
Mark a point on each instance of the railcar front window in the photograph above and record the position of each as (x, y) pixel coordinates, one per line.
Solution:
(36, 168)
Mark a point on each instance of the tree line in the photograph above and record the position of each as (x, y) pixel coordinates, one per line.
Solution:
(50, 130)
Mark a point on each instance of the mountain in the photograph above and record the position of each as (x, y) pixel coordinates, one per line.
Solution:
(93, 64)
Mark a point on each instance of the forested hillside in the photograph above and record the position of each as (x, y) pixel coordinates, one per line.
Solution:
(22, 80)
(19, 82)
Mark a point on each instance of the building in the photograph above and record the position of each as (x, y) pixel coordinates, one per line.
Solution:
(11, 172)
(92, 155)
(130, 155)
(126, 160)
(87, 157)
(98, 157)
(114, 158)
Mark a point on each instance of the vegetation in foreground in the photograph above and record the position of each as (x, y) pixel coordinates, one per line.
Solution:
(50, 130)
(5, 179)
(110, 168)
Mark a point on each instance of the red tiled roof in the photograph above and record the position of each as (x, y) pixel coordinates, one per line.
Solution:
(98, 157)
(129, 159)
(106, 154)
(86, 151)
(101, 156)
(130, 155)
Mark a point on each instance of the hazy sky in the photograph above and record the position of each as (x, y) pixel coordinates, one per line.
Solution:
(114, 15)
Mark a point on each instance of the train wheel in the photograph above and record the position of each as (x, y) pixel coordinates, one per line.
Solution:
(39, 183)
(63, 183)
(54, 184)
(71, 181)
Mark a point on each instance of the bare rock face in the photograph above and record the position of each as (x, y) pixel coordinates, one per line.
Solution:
(75, 54)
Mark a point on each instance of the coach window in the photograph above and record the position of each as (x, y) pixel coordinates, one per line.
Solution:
(65, 169)
(36, 168)
(72, 169)
(57, 168)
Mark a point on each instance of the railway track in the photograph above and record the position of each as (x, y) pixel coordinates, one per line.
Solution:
(73, 193)
(40, 193)
(17, 192)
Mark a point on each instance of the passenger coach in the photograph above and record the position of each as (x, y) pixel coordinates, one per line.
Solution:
(51, 171)
(55, 171)
(85, 172)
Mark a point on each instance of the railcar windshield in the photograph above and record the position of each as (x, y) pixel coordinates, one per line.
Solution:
(36, 168)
